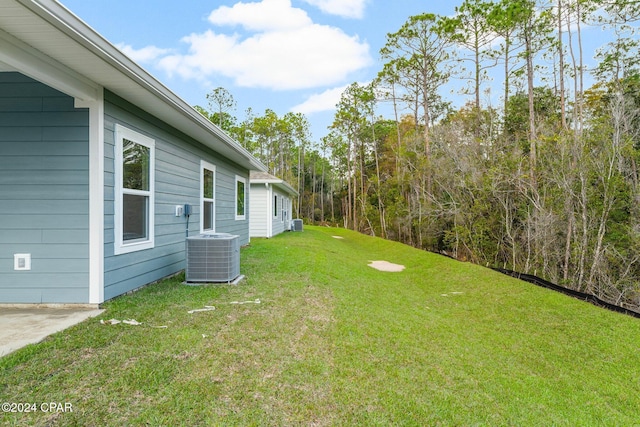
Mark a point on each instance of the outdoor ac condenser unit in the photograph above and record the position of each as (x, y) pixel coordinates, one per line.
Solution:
(213, 257)
(296, 225)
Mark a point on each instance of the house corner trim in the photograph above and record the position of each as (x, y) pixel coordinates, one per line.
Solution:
(96, 197)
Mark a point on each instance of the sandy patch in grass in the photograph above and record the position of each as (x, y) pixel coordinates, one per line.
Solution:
(386, 266)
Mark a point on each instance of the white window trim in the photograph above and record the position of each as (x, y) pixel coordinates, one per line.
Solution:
(120, 247)
(206, 165)
(246, 189)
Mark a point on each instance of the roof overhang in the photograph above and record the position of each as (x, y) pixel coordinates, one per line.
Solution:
(276, 182)
(44, 40)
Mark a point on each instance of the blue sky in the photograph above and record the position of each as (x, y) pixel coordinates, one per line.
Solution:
(285, 55)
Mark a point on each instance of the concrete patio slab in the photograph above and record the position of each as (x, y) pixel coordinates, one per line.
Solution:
(20, 326)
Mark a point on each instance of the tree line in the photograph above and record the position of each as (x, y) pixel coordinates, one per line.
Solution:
(545, 182)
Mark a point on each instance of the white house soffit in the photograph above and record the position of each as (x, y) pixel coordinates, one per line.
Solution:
(6, 67)
(17, 55)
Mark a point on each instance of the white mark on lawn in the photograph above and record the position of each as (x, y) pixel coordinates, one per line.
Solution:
(256, 301)
(338, 237)
(206, 308)
(452, 293)
(386, 266)
(132, 322)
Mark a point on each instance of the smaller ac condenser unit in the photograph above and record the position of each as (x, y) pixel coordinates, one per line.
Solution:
(296, 225)
(213, 257)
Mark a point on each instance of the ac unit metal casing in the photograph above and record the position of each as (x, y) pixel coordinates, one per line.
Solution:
(296, 225)
(213, 257)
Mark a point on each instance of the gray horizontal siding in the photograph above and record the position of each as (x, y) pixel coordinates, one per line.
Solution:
(44, 187)
(43, 119)
(177, 181)
(44, 191)
(47, 236)
(32, 160)
(68, 222)
(56, 293)
(63, 177)
(41, 137)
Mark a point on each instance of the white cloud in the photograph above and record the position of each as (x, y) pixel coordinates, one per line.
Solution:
(146, 54)
(344, 8)
(325, 101)
(284, 49)
(264, 16)
(319, 102)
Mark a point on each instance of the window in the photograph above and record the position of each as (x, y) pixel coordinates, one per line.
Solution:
(275, 206)
(134, 191)
(240, 197)
(207, 197)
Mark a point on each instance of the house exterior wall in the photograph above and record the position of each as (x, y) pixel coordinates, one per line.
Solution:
(260, 196)
(263, 221)
(278, 222)
(44, 193)
(177, 181)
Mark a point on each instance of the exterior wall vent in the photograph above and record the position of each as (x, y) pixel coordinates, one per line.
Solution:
(213, 257)
(22, 262)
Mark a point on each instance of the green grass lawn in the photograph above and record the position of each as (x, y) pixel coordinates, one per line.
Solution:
(335, 342)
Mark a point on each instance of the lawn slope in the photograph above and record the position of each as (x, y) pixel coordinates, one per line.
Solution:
(322, 339)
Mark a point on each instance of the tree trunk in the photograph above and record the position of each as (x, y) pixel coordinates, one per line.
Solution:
(322, 195)
(313, 193)
(584, 203)
(563, 118)
(532, 118)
